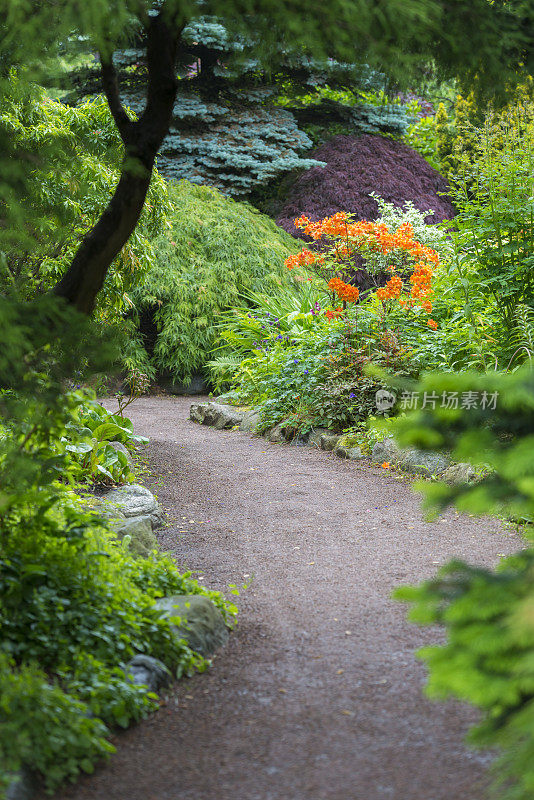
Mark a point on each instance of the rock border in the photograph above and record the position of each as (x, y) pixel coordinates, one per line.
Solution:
(428, 463)
(132, 511)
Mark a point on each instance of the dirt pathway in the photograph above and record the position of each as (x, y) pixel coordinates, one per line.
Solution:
(318, 695)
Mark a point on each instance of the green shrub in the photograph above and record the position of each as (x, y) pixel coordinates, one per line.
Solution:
(493, 193)
(422, 136)
(77, 153)
(42, 726)
(488, 658)
(89, 456)
(216, 250)
(312, 371)
(74, 605)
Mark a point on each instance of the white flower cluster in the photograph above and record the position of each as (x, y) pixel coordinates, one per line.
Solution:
(430, 235)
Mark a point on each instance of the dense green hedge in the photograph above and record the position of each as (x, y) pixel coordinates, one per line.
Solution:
(215, 250)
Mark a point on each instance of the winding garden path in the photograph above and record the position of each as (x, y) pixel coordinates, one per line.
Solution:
(318, 695)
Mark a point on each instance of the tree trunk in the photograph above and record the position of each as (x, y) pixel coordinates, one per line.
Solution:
(86, 274)
(142, 139)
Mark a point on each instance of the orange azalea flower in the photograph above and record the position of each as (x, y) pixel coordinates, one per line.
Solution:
(344, 291)
(386, 465)
(334, 314)
(349, 238)
(432, 324)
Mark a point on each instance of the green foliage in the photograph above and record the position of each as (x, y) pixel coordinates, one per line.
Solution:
(76, 155)
(455, 134)
(488, 656)
(74, 605)
(89, 456)
(215, 251)
(495, 224)
(61, 740)
(422, 136)
(500, 438)
(487, 660)
(309, 371)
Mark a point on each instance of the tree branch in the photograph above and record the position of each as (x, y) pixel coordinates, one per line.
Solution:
(110, 83)
(142, 139)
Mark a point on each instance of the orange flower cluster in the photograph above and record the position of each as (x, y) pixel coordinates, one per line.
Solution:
(344, 291)
(432, 324)
(374, 234)
(334, 314)
(363, 237)
(392, 289)
(329, 226)
(303, 259)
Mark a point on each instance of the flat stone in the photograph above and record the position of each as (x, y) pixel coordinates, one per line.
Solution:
(133, 500)
(197, 412)
(229, 417)
(422, 462)
(113, 515)
(276, 434)
(250, 421)
(142, 539)
(147, 671)
(201, 623)
(386, 450)
(352, 453)
(347, 447)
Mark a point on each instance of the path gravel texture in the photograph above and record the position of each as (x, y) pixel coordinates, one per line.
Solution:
(318, 695)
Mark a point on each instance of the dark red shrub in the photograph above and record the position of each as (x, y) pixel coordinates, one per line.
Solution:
(357, 166)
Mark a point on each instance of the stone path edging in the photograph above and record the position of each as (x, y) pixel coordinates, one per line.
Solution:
(422, 462)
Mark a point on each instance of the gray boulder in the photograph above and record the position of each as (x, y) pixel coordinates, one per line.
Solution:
(250, 421)
(459, 473)
(142, 539)
(115, 517)
(352, 453)
(201, 624)
(329, 440)
(314, 439)
(276, 434)
(134, 500)
(197, 412)
(219, 415)
(423, 462)
(147, 671)
(229, 417)
(387, 450)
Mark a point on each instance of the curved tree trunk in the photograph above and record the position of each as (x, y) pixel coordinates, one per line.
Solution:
(142, 139)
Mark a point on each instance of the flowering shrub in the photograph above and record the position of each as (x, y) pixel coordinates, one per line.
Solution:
(409, 263)
(309, 367)
(319, 379)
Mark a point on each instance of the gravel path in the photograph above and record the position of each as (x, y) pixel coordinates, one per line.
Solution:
(318, 695)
